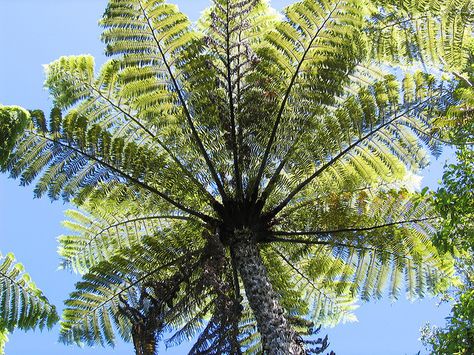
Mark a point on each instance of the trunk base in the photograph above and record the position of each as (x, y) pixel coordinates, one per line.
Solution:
(278, 337)
(144, 342)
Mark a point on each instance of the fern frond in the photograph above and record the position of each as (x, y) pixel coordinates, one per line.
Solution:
(22, 304)
(368, 137)
(313, 50)
(153, 28)
(106, 228)
(3, 340)
(111, 287)
(13, 120)
(310, 286)
(82, 155)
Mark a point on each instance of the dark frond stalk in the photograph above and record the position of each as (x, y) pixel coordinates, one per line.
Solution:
(271, 140)
(160, 143)
(238, 178)
(189, 119)
(133, 180)
(332, 161)
(276, 175)
(357, 229)
(336, 244)
(278, 337)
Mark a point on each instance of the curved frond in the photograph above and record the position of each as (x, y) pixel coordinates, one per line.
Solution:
(104, 228)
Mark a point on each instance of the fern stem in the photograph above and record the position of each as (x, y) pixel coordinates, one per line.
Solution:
(332, 244)
(165, 197)
(361, 229)
(230, 93)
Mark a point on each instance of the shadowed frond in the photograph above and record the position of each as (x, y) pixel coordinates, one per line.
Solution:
(100, 301)
(387, 244)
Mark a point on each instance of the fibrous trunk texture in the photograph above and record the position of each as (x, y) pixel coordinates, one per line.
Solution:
(278, 337)
(144, 341)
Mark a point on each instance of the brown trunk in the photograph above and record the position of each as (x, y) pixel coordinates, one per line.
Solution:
(144, 341)
(278, 337)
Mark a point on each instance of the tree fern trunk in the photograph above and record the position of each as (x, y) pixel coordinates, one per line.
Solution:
(144, 341)
(278, 337)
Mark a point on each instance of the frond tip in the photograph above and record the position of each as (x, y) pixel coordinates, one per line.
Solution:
(13, 120)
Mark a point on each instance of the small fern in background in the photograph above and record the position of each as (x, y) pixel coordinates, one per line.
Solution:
(22, 304)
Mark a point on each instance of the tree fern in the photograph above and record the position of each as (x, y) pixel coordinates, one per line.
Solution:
(280, 143)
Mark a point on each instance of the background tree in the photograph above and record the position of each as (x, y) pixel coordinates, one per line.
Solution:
(454, 201)
(454, 198)
(281, 138)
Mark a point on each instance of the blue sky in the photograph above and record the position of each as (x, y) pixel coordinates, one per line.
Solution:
(36, 32)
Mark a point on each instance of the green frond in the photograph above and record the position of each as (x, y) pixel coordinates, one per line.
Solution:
(308, 56)
(184, 282)
(80, 155)
(100, 301)
(105, 228)
(387, 238)
(309, 287)
(375, 134)
(22, 304)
